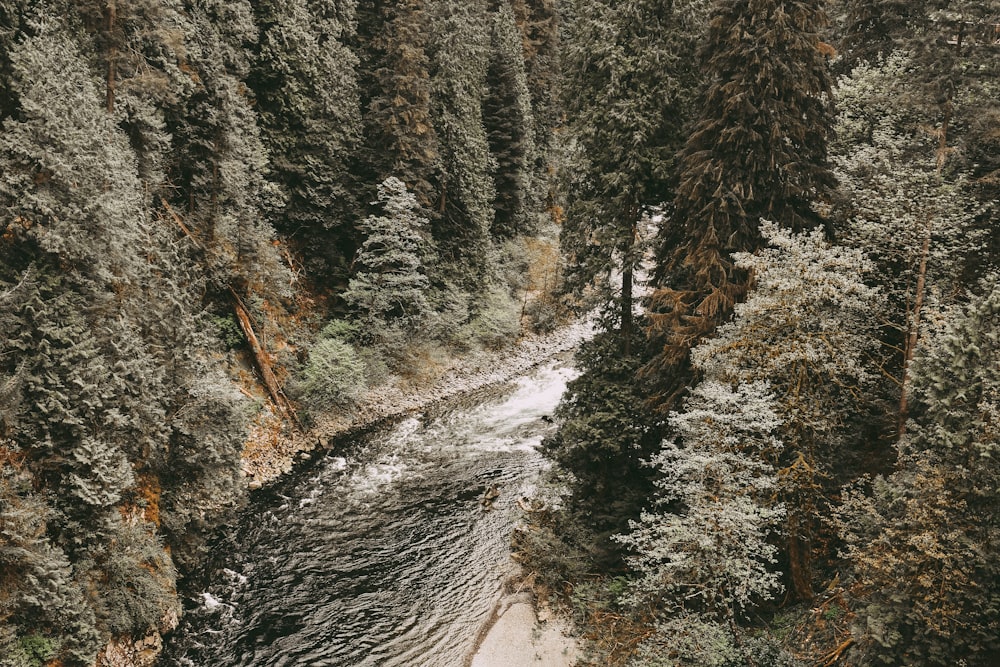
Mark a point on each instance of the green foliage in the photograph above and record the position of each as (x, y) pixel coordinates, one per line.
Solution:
(305, 81)
(758, 150)
(334, 375)
(133, 577)
(630, 77)
(921, 540)
(604, 436)
(511, 129)
(228, 331)
(495, 322)
(388, 289)
(459, 53)
(705, 545)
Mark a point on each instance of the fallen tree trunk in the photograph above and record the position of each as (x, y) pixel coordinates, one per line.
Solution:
(260, 356)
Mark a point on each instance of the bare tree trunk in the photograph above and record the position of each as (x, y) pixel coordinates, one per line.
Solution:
(261, 359)
(246, 325)
(913, 334)
(628, 268)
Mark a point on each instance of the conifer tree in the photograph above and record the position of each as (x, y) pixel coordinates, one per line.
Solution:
(805, 329)
(758, 150)
(704, 552)
(628, 70)
(460, 44)
(922, 541)
(220, 163)
(401, 140)
(511, 128)
(305, 84)
(389, 286)
(902, 203)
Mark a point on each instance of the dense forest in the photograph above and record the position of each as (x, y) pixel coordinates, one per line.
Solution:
(226, 216)
(218, 215)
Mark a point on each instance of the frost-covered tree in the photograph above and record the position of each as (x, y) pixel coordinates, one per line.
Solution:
(704, 553)
(806, 328)
(901, 203)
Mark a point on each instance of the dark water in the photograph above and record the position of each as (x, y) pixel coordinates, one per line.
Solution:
(384, 558)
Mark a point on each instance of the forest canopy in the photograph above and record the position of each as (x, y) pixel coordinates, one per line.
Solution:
(222, 217)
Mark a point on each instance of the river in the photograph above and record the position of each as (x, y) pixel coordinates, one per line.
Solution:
(381, 557)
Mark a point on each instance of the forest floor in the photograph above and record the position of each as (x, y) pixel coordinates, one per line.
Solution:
(269, 454)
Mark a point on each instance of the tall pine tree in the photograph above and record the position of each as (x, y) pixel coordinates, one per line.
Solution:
(758, 150)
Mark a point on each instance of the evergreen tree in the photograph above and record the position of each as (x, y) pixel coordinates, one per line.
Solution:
(460, 46)
(389, 286)
(704, 552)
(923, 541)
(305, 85)
(511, 129)
(220, 163)
(758, 150)
(875, 28)
(806, 329)
(628, 72)
(604, 435)
(401, 138)
(539, 23)
(914, 215)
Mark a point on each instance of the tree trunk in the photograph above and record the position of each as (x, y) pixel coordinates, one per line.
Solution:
(799, 565)
(913, 334)
(261, 360)
(246, 325)
(628, 262)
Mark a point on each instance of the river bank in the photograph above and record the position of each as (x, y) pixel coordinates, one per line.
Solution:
(520, 633)
(268, 456)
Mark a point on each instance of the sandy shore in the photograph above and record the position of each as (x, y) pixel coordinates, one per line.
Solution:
(519, 634)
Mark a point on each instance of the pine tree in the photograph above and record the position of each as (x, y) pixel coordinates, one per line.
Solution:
(305, 85)
(220, 162)
(459, 50)
(401, 140)
(806, 328)
(704, 552)
(389, 286)
(758, 150)
(511, 129)
(628, 71)
(874, 29)
(923, 540)
(901, 202)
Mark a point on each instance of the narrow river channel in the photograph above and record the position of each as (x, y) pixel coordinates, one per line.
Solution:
(383, 558)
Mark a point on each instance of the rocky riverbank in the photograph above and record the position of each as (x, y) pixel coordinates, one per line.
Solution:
(267, 456)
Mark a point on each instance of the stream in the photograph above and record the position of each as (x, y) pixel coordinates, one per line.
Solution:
(383, 557)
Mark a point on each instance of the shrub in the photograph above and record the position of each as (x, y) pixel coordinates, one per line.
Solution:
(334, 376)
(496, 321)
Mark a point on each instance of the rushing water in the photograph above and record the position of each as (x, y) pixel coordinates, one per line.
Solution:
(385, 558)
